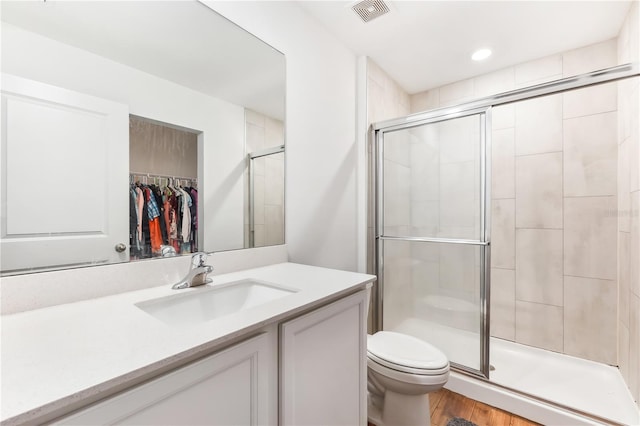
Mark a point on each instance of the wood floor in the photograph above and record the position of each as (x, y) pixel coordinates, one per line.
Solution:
(445, 405)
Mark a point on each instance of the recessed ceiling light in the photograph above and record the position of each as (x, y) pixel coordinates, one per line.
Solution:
(481, 54)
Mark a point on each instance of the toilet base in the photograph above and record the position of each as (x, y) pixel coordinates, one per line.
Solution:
(401, 410)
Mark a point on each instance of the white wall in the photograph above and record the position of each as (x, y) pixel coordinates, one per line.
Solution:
(221, 155)
(322, 154)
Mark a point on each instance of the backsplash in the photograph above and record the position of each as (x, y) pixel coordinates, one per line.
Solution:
(40, 290)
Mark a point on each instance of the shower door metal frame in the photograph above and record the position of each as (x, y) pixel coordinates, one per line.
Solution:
(608, 75)
(485, 226)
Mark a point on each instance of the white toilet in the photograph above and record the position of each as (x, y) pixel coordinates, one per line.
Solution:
(402, 370)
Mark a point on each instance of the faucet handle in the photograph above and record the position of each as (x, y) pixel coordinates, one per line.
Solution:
(198, 259)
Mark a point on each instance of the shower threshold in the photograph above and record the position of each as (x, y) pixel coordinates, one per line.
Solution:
(580, 385)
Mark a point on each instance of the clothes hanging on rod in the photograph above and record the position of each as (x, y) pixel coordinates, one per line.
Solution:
(163, 212)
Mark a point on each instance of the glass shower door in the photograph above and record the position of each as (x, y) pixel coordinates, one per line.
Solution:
(432, 234)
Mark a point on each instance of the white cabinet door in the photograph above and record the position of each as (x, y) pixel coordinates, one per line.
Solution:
(236, 386)
(323, 365)
(64, 172)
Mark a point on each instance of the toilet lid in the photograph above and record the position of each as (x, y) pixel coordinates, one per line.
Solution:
(401, 350)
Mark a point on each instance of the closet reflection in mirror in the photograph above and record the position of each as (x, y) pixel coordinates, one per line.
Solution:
(163, 203)
(74, 73)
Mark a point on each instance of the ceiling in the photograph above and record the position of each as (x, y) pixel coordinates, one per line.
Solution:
(426, 44)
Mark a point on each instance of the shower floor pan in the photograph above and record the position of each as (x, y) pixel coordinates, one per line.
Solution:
(582, 385)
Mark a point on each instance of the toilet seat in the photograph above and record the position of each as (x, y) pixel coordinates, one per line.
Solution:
(406, 354)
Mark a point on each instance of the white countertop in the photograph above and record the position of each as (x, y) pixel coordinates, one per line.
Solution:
(65, 354)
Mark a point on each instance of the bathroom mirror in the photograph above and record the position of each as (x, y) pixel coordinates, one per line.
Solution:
(100, 98)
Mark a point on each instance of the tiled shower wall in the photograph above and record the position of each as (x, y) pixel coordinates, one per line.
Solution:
(628, 205)
(263, 132)
(385, 100)
(554, 199)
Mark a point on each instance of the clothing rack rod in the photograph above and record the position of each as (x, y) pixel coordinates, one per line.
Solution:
(161, 176)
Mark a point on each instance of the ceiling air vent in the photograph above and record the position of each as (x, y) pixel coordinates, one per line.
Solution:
(370, 9)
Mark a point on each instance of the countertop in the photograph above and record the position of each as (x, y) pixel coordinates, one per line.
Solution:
(61, 356)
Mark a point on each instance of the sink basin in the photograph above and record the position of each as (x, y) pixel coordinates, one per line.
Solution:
(207, 303)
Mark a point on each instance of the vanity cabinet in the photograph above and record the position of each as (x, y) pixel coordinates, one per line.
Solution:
(323, 365)
(235, 386)
(318, 358)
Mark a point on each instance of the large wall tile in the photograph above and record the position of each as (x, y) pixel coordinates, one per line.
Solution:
(624, 196)
(274, 180)
(503, 116)
(587, 335)
(539, 325)
(258, 199)
(634, 347)
(425, 164)
(397, 147)
(259, 235)
(274, 132)
(425, 218)
(634, 155)
(634, 35)
(590, 58)
(376, 101)
(425, 101)
(539, 191)
(253, 117)
(635, 244)
(425, 277)
(538, 71)
(539, 125)
(590, 155)
(539, 266)
(459, 208)
(459, 139)
(494, 82)
(254, 135)
(457, 92)
(623, 351)
(274, 224)
(590, 237)
(397, 282)
(624, 55)
(503, 228)
(375, 73)
(503, 163)
(458, 273)
(624, 276)
(503, 304)
(397, 201)
(628, 108)
(590, 100)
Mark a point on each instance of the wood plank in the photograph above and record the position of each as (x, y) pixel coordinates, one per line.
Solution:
(482, 414)
(500, 417)
(438, 398)
(435, 398)
(521, 421)
(453, 405)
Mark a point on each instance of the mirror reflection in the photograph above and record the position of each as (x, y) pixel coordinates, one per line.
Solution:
(135, 130)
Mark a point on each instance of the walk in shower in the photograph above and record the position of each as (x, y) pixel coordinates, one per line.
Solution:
(497, 229)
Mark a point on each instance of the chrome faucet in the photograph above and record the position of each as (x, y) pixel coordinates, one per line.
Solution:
(197, 274)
